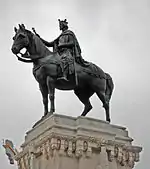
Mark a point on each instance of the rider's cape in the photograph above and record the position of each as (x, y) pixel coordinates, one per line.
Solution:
(76, 50)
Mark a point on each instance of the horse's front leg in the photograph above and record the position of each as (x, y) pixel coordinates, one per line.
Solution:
(51, 90)
(44, 91)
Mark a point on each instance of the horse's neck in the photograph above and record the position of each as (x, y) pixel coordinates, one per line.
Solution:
(38, 48)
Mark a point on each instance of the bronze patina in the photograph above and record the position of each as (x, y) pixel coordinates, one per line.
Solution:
(62, 69)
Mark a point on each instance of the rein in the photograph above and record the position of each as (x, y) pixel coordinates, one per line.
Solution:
(23, 58)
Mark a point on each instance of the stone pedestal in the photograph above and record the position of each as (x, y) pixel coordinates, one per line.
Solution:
(63, 142)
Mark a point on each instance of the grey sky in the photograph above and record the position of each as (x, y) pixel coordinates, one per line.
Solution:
(114, 34)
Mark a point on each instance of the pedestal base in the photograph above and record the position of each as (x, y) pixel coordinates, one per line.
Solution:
(63, 142)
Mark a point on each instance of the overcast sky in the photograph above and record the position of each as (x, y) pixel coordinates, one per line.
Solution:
(114, 34)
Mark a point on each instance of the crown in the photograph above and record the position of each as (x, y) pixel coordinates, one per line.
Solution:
(63, 21)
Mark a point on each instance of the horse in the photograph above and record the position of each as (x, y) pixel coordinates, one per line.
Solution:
(46, 64)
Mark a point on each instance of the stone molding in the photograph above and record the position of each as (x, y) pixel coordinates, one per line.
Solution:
(76, 147)
(123, 154)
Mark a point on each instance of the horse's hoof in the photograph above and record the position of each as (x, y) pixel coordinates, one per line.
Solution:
(108, 120)
(50, 113)
(86, 110)
(45, 114)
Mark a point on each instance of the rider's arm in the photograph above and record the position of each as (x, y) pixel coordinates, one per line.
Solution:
(48, 44)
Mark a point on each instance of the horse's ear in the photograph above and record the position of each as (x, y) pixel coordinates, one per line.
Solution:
(23, 26)
(19, 26)
(15, 29)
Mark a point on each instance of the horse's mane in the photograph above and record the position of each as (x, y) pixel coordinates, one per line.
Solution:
(37, 42)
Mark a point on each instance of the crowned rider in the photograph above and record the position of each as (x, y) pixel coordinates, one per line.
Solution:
(68, 48)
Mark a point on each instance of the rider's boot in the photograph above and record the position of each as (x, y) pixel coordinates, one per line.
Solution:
(64, 77)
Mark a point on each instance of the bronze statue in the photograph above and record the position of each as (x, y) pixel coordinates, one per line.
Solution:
(47, 70)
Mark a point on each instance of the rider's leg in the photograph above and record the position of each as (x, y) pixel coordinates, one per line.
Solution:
(65, 73)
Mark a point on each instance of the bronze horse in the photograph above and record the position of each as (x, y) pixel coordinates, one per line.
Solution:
(46, 67)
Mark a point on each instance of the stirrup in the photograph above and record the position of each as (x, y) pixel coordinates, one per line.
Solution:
(63, 78)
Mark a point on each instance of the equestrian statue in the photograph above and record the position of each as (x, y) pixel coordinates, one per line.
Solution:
(63, 68)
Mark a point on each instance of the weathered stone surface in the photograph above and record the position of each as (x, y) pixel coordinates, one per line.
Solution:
(64, 142)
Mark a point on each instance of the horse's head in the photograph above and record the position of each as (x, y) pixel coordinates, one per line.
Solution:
(21, 39)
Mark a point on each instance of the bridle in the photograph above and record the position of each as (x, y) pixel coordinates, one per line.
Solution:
(24, 56)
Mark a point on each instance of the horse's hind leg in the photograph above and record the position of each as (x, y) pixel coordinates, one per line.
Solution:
(102, 97)
(44, 91)
(84, 95)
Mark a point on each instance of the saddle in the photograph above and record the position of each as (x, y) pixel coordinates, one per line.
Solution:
(62, 63)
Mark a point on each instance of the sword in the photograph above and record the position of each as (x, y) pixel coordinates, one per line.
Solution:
(76, 78)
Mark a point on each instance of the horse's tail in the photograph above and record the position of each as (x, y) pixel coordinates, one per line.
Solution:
(109, 87)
